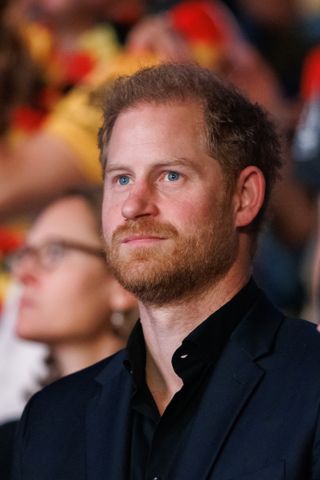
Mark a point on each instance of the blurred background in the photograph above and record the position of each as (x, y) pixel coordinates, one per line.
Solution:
(57, 56)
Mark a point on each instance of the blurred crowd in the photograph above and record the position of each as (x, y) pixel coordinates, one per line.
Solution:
(57, 57)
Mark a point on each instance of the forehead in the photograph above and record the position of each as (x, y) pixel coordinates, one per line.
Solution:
(69, 218)
(171, 128)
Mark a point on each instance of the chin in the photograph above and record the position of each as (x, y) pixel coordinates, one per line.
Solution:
(25, 331)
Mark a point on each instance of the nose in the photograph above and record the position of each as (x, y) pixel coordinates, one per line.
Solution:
(140, 202)
(26, 270)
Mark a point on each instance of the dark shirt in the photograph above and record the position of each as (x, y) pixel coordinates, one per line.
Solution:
(156, 440)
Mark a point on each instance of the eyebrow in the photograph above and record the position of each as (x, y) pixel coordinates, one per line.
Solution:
(179, 161)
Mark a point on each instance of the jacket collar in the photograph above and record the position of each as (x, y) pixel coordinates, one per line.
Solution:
(256, 333)
(108, 423)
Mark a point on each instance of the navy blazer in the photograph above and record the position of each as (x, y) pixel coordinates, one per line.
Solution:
(258, 418)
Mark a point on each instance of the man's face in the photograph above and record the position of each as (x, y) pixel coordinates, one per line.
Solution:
(167, 220)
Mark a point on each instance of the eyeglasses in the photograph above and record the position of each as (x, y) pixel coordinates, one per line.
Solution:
(49, 254)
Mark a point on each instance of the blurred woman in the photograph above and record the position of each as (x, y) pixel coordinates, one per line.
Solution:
(69, 298)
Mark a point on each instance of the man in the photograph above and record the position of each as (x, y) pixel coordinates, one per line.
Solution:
(215, 383)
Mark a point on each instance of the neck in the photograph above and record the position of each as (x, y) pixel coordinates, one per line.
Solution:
(165, 327)
(73, 356)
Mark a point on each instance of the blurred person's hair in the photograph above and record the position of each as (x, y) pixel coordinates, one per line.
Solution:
(238, 132)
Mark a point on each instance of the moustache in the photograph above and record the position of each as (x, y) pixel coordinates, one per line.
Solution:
(144, 227)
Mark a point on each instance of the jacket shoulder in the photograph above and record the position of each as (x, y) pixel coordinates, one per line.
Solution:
(79, 386)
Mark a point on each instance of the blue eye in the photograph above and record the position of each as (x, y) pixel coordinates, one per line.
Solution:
(123, 180)
(173, 176)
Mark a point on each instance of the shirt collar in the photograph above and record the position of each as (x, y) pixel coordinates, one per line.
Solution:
(217, 328)
(203, 345)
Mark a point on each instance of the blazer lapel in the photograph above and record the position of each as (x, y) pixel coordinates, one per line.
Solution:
(233, 381)
(107, 425)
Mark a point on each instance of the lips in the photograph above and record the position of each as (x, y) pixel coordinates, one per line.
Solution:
(141, 238)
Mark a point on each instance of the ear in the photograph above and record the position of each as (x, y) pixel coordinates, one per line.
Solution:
(249, 195)
(120, 299)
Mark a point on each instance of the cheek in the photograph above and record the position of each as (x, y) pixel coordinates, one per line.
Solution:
(81, 289)
(69, 304)
(56, 310)
(188, 214)
(87, 301)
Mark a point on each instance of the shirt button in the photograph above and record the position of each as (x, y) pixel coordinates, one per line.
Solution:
(185, 355)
